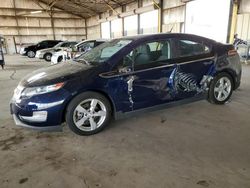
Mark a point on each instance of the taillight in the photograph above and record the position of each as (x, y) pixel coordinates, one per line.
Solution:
(232, 52)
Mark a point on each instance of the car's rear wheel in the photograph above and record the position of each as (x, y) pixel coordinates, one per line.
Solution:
(221, 89)
(31, 54)
(47, 57)
(88, 113)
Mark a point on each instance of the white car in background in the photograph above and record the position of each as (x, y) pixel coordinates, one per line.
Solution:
(48, 52)
(77, 50)
(59, 56)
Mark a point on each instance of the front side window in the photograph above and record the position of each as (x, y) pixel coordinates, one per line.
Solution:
(150, 54)
(189, 48)
(43, 44)
(104, 51)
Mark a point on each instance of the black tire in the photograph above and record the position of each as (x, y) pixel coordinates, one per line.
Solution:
(60, 58)
(31, 54)
(76, 101)
(211, 93)
(47, 57)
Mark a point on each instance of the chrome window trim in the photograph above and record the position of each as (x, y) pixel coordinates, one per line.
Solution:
(153, 68)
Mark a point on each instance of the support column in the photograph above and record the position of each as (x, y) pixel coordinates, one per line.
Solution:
(159, 7)
(138, 18)
(233, 22)
(160, 19)
(17, 25)
(86, 28)
(52, 23)
(123, 10)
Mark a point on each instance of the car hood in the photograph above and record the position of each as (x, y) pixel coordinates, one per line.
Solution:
(54, 74)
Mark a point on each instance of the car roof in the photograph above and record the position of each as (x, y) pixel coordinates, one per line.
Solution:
(51, 41)
(69, 41)
(164, 35)
(97, 40)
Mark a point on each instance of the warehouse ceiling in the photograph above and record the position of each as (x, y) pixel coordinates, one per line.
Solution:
(84, 8)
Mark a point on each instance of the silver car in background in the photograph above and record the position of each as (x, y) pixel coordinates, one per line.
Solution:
(74, 51)
(48, 52)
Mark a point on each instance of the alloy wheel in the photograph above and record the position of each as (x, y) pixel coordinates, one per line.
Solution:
(48, 57)
(89, 115)
(31, 54)
(222, 88)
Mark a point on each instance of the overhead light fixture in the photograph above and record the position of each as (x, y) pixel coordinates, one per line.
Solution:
(36, 12)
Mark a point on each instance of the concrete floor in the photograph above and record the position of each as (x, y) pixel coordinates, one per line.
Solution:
(193, 145)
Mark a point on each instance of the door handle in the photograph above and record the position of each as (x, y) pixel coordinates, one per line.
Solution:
(130, 83)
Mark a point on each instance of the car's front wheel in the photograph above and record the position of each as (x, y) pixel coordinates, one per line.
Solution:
(31, 54)
(47, 57)
(221, 89)
(88, 113)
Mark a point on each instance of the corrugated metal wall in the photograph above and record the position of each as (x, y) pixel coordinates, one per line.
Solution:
(243, 20)
(32, 28)
(173, 17)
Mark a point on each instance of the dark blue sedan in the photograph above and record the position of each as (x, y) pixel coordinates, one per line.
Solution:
(124, 76)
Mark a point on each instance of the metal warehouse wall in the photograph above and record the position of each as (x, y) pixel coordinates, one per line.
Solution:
(243, 26)
(173, 16)
(25, 28)
(243, 20)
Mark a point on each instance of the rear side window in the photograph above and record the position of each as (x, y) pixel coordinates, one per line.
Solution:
(187, 48)
(52, 43)
(65, 44)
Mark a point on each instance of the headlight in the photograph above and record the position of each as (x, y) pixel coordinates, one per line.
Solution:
(31, 91)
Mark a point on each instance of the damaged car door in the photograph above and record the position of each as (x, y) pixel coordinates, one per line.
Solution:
(152, 66)
(194, 68)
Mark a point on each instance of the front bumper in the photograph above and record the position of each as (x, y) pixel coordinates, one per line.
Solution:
(18, 122)
(22, 52)
(54, 59)
(43, 113)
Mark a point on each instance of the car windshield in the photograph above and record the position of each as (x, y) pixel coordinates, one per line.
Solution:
(103, 52)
